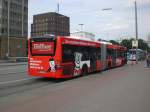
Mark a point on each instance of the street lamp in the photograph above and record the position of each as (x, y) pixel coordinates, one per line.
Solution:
(107, 9)
(136, 27)
(58, 5)
(81, 25)
(136, 30)
(8, 29)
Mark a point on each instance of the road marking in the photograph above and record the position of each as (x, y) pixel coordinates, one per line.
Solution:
(14, 81)
(8, 68)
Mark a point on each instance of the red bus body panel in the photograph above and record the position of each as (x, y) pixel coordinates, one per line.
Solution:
(38, 66)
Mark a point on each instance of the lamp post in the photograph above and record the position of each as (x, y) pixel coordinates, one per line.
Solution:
(107, 9)
(136, 30)
(8, 29)
(81, 25)
(23, 18)
(58, 7)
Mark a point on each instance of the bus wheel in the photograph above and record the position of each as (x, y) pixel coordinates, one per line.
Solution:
(84, 70)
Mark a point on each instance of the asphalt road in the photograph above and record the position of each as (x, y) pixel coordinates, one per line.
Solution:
(12, 73)
(14, 79)
(124, 89)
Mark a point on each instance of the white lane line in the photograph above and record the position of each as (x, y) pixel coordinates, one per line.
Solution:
(13, 73)
(8, 69)
(14, 81)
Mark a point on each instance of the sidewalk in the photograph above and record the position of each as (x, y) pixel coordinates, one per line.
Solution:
(14, 61)
(7, 63)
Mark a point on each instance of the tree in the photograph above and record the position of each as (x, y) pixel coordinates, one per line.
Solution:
(114, 42)
(127, 43)
(141, 44)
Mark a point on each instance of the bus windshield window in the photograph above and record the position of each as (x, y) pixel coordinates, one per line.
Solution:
(42, 48)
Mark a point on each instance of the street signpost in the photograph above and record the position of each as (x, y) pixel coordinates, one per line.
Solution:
(135, 43)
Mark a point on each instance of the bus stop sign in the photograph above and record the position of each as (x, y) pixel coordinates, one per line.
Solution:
(135, 43)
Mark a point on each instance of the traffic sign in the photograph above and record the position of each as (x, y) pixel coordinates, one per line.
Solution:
(135, 43)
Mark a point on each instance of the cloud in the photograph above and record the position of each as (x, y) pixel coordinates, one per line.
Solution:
(73, 3)
(89, 12)
(116, 24)
(140, 3)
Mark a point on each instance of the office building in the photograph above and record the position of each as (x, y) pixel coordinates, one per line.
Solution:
(50, 23)
(13, 27)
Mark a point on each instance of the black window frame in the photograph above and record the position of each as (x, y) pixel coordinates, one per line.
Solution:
(87, 52)
(43, 39)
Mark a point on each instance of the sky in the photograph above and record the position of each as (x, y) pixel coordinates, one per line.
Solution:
(117, 23)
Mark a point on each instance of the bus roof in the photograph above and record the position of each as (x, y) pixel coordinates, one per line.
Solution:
(84, 41)
(78, 42)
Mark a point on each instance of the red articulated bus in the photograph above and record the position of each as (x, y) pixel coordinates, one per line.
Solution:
(67, 57)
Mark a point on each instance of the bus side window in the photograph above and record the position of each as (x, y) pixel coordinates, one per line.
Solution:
(85, 56)
(114, 54)
(67, 53)
(98, 53)
(92, 53)
(85, 53)
(109, 53)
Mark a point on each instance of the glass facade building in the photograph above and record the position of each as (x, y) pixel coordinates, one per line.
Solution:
(13, 18)
(0, 17)
(13, 28)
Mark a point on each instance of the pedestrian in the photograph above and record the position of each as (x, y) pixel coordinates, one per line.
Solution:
(148, 60)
